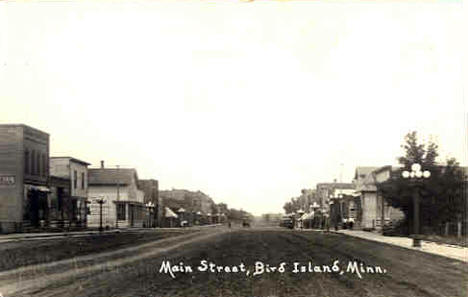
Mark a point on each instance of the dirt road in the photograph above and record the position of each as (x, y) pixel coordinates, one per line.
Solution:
(254, 262)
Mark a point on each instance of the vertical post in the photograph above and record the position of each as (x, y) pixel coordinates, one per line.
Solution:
(100, 215)
(341, 209)
(150, 217)
(382, 220)
(118, 199)
(416, 231)
(459, 228)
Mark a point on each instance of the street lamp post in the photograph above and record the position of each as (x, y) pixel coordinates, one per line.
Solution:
(101, 201)
(416, 176)
(150, 207)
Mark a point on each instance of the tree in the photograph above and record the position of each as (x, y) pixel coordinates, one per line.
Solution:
(223, 208)
(238, 215)
(442, 195)
(288, 207)
(292, 206)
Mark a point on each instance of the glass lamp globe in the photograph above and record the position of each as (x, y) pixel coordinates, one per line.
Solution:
(419, 174)
(426, 174)
(405, 174)
(416, 167)
(412, 174)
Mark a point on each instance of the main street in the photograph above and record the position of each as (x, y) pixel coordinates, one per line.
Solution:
(231, 262)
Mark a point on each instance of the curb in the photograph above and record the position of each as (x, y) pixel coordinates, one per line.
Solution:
(405, 247)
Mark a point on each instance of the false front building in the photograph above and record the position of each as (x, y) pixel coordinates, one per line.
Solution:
(123, 200)
(373, 207)
(69, 191)
(24, 171)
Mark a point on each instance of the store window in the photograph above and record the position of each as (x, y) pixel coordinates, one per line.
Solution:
(38, 164)
(121, 212)
(33, 162)
(26, 162)
(75, 179)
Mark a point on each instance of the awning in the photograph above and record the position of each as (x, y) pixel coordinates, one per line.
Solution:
(36, 188)
(307, 216)
(170, 213)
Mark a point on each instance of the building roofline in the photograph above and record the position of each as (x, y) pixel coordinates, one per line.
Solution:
(71, 159)
(337, 183)
(382, 168)
(24, 126)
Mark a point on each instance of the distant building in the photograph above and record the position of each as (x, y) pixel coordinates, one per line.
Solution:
(190, 200)
(326, 191)
(124, 201)
(150, 188)
(199, 208)
(68, 204)
(24, 174)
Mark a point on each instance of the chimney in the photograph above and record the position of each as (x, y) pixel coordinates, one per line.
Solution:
(102, 163)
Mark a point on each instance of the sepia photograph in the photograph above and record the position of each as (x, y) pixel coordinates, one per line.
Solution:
(233, 148)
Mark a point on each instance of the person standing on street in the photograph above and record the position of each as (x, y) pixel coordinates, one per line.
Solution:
(351, 223)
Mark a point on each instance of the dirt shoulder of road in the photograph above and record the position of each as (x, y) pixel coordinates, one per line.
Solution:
(52, 273)
(16, 254)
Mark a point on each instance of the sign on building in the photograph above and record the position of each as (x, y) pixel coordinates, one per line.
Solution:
(7, 180)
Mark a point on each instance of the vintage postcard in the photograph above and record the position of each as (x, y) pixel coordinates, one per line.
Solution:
(233, 148)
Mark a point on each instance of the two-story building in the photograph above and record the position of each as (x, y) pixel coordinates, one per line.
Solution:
(69, 191)
(373, 205)
(124, 201)
(24, 172)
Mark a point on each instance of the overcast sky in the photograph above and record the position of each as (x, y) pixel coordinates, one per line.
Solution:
(249, 102)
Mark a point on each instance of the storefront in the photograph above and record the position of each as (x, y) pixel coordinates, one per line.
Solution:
(36, 206)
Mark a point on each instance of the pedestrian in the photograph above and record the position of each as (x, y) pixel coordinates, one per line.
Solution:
(351, 223)
(327, 223)
(229, 224)
(337, 222)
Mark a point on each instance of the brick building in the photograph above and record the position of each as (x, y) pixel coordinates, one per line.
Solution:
(24, 177)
